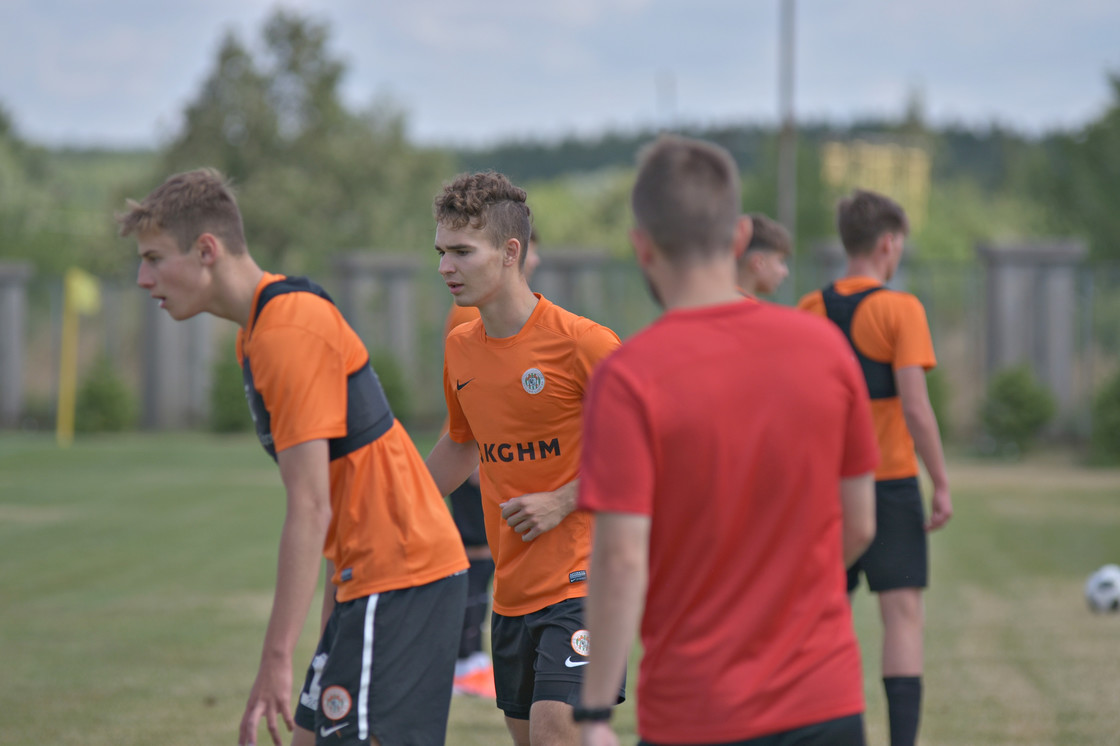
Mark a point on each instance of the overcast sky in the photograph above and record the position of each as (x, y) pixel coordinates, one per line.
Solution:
(119, 72)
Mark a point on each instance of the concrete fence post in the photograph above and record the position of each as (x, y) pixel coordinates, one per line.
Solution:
(13, 325)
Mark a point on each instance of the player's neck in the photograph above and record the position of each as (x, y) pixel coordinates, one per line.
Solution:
(866, 267)
(235, 288)
(506, 314)
(698, 286)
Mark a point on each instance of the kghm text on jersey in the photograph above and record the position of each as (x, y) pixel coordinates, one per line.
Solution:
(506, 452)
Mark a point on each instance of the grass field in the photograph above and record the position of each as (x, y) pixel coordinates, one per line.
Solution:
(136, 577)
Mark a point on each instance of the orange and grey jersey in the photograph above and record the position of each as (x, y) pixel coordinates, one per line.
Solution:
(308, 377)
(520, 399)
(888, 331)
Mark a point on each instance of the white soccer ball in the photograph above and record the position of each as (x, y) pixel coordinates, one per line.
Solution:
(1102, 589)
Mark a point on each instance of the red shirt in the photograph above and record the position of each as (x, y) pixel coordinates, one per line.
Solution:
(730, 426)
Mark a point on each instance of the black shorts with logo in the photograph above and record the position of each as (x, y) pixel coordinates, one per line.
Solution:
(899, 555)
(540, 657)
(384, 667)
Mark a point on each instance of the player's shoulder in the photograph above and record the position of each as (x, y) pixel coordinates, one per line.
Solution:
(560, 320)
(895, 304)
(812, 301)
(784, 319)
(295, 305)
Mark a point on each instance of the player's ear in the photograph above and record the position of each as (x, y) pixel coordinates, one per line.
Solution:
(208, 247)
(744, 229)
(511, 253)
(643, 247)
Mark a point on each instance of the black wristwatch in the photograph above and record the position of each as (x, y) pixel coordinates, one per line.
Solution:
(583, 714)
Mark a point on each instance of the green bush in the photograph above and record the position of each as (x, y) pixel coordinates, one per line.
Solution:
(1015, 409)
(1105, 436)
(394, 383)
(105, 403)
(229, 412)
(939, 399)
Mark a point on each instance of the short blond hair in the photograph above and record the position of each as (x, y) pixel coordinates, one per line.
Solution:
(185, 206)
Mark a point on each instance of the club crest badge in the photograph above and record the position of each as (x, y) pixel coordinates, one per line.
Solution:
(532, 381)
(336, 702)
(581, 642)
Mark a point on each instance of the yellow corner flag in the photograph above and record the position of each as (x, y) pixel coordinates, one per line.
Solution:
(81, 296)
(83, 293)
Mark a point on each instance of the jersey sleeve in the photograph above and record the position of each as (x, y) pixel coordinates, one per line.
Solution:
(302, 379)
(913, 344)
(812, 302)
(457, 426)
(593, 346)
(617, 461)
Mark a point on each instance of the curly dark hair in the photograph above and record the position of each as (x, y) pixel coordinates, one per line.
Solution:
(486, 201)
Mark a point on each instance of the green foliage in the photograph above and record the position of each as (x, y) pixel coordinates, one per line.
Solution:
(229, 412)
(105, 402)
(591, 210)
(393, 382)
(1105, 437)
(1015, 409)
(312, 177)
(1078, 176)
(938, 387)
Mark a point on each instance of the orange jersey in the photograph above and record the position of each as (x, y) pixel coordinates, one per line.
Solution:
(456, 316)
(389, 526)
(459, 315)
(521, 399)
(888, 327)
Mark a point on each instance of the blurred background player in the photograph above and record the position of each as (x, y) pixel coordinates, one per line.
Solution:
(358, 492)
(514, 382)
(728, 459)
(474, 672)
(763, 266)
(890, 335)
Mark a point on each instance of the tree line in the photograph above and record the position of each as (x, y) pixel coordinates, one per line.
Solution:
(315, 177)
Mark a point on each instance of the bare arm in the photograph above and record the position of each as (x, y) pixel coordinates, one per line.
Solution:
(305, 473)
(619, 569)
(451, 463)
(922, 423)
(533, 514)
(857, 507)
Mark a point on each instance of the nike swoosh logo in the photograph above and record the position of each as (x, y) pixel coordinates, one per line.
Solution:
(574, 664)
(459, 386)
(324, 732)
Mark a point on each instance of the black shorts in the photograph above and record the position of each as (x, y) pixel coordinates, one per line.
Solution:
(384, 667)
(540, 657)
(466, 510)
(899, 555)
(845, 731)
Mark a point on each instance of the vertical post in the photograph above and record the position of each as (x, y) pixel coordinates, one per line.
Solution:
(1031, 313)
(787, 139)
(13, 318)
